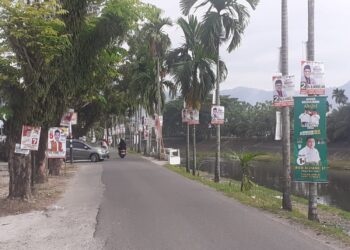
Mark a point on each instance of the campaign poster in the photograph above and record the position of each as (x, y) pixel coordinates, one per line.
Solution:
(310, 146)
(30, 138)
(312, 78)
(18, 150)
(185, 115)
(283, 90)
(193, 117)
(56, 146)
(69, 118)
(217, 115)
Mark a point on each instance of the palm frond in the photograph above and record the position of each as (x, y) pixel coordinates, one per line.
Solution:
(186, 6)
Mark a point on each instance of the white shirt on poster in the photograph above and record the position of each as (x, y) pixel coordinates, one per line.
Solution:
(304, 118)
(310, 155)
(315, 120)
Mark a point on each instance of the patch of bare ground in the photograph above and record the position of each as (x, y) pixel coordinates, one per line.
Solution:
(43, 196)
(326, 217)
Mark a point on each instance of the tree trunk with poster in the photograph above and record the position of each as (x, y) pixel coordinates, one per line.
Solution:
(20, 170)
(287, 183)
(312, 213)
(40, 174)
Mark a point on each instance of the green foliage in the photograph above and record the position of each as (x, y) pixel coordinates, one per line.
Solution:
(192, 65)
(243, 120)
(244, 159)
(338, 124)
(66, 56)
(223, 20)
(339, 96)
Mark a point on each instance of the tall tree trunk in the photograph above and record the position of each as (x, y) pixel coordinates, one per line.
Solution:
(217, 102)
(40, 158)
(187, 148)
(159, 109)
(312, 214)
(287, 183)
(19, 171)
(194, 167)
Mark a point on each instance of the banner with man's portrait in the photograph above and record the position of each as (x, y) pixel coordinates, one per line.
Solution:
(56, 146)
(217, 115)
(283, 90)
(193, 117)
(310, 140)
(312, 78)
(185, 115)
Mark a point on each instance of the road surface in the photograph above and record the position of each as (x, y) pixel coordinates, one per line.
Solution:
(145, 206)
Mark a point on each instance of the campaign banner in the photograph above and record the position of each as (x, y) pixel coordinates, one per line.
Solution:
(310, 146)
(30, 137)
(18, 150)
(185, 115)
(57, 139)
(283, 90)
(69, 118)
(312, 78)
(193, 117)
(217, 115)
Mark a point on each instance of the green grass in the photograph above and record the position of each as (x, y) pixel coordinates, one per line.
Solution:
(270, 200)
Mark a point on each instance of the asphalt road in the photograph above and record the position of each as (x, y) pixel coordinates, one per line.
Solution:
(146, 206)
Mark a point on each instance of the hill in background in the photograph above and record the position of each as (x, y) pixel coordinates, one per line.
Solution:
(253, 95)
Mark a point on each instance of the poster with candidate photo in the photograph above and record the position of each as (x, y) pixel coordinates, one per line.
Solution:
(217, 114)
(283, 90)
(30, 137)
(193, 117)
(185, 115)
(56, 146)
(310, 145)
(312, 78)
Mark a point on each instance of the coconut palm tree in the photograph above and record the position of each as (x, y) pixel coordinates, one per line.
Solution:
(312, 213)
(193, 68)
(339, 96)
(287, 183)
(225, 20)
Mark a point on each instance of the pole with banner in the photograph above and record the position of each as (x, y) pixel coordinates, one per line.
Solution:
(310, 146)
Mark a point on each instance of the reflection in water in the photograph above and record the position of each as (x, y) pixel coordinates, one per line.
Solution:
(268, 174)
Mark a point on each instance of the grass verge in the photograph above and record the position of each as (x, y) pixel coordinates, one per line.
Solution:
(270, 200)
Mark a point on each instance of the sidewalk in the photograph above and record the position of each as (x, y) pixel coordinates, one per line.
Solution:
(69, 224)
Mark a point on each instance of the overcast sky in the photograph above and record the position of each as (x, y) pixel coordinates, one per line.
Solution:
(254, 62)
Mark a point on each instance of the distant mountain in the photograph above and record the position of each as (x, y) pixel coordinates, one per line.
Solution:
(253, 95)
(250, 95)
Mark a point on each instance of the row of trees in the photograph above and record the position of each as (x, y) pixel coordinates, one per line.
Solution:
(64, 54)
(242, 119)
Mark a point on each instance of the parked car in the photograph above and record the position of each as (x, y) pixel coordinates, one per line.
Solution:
(84, 151)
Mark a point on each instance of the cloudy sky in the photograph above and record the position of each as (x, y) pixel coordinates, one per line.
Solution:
(254, 62)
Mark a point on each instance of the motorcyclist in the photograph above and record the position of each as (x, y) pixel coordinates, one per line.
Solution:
(122, 145)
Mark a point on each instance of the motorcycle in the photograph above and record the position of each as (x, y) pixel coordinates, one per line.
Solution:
(122, 152)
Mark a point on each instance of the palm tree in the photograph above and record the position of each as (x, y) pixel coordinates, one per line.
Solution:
(159, 42)
(312, 213)
(287, 184)
(224, 20)
(244, 159)
(192, 67)
(339, 96)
